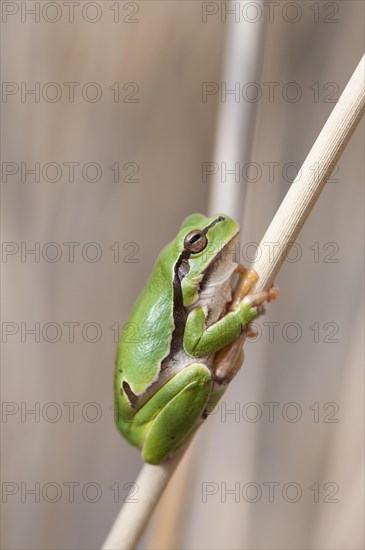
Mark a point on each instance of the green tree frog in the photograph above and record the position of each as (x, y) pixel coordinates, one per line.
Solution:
(170, 374)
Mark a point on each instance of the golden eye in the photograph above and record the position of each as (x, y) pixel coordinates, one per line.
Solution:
(195, 241)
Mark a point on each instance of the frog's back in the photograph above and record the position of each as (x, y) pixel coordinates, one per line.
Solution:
(146, 337)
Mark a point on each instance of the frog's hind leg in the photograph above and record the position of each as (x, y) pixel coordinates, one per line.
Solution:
(181, 415)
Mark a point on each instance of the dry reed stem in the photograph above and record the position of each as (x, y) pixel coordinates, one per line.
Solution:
(283, 230)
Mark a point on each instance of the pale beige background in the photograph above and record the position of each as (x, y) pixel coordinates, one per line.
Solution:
(169, 133)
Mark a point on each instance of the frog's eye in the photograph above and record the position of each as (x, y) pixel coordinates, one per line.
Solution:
(195, 241)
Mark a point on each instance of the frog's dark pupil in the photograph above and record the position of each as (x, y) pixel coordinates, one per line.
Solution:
(195, 238)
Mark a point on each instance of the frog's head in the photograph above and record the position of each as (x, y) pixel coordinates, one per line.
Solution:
(207, 247)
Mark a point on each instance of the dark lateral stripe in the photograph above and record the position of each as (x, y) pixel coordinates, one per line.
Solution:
(131, 396)
(180, 313)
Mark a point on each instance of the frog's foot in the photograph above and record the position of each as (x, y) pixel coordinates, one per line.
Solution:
(260, 297)
(247, 278)
(257, 299)
(241, 270)
(250, 332)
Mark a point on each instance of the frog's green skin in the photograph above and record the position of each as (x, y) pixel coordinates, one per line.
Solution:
(166, 380)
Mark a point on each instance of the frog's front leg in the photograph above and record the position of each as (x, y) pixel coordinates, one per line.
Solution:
(201, 340)
(173, 413)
